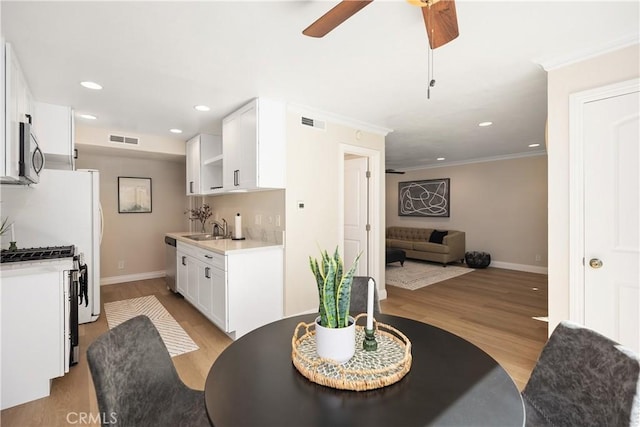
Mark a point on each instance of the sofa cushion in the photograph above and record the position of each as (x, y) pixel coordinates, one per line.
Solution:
(437, 236)
(400, 244)
(431, 247)
(409, 233)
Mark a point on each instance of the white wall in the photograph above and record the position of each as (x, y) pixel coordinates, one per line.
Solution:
(313, 178)
(99, 137)
(621, 65)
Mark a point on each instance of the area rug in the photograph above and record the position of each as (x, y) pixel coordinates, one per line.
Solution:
(175, 338)
(415, 275)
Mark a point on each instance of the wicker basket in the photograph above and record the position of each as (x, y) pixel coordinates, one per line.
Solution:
(367, 370)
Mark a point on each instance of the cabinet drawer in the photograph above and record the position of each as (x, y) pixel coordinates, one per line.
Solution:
(187, 249)
(212, 259)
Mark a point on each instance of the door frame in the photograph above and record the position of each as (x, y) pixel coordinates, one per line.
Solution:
(374, 206)
(577, 101)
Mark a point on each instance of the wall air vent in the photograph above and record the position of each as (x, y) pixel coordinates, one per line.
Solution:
(119, 139)
(312, 123)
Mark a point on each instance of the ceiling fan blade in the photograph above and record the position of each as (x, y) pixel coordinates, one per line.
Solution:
(336, 16)
(441, 22)
(394, 171)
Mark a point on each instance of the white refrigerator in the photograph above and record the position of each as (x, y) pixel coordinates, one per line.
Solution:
(62, 209)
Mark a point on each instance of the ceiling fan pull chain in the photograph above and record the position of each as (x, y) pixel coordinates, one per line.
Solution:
(432, 81)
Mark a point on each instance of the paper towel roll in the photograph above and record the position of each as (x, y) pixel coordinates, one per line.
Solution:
(238, 227)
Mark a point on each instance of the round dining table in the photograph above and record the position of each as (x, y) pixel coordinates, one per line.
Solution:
(451, 383)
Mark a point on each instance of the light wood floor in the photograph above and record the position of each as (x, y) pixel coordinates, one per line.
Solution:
(491, 308)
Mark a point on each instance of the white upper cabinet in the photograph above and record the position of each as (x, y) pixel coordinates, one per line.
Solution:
(204, 164)
(254, 146)
(193, 166)
(54, 127)
(18, 106)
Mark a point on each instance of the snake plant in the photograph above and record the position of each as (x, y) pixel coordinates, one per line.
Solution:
(334, 288)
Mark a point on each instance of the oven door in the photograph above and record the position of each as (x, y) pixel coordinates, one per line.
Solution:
(74, 338)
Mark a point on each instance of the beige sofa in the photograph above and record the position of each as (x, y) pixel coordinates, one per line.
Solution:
(415, 242)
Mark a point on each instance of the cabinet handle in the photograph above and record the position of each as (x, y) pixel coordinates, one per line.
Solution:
(209, 256)
(184, 260)
(190, 186)
(75, 153)
(236, 179)
(207, 272)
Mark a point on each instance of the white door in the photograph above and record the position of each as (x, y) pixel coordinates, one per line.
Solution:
(356, 202)
(612, 217)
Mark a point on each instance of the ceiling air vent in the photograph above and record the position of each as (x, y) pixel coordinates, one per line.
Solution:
(312, 123)
(119, 139)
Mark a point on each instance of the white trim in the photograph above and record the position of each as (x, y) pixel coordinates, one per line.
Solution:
(519, 267)
(577, 101)
(478, 160)
(131, 277)
(316, 114)
(550, 64)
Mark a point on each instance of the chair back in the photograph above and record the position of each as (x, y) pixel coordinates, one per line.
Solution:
(583, 378)
(134, 377)
(359, 293)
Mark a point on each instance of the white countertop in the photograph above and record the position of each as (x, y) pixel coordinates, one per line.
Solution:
(223, 246)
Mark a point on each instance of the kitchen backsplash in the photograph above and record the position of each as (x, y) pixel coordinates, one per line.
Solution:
(262, 213)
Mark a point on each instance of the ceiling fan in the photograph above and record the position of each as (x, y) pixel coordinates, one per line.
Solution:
(439, 18)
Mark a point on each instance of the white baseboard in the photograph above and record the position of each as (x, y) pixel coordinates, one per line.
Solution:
(131, 277)
(519, 267)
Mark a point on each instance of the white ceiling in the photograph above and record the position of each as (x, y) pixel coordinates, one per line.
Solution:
(157, 60)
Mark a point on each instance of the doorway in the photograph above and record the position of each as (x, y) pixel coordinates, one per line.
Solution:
(361, 213)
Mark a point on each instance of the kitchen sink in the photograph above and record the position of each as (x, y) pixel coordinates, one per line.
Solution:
(203, 236)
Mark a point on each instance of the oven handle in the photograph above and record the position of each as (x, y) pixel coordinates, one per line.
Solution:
(33, 160)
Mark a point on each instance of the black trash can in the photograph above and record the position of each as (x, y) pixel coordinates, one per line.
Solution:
(477, 259)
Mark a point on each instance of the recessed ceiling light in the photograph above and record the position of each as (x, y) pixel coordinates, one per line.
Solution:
(202, 108)
(485, 124)
(534, 145)
(88, 116)
(91, 85)
(174, 130)
(440, 159)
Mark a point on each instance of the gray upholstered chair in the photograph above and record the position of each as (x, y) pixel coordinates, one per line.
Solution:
(135, 380)
(583, 379)
(359, 290)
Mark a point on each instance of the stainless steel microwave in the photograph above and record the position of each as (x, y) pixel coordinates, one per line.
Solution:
(31, 160)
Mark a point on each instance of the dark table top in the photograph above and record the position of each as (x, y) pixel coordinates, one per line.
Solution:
(451, 383)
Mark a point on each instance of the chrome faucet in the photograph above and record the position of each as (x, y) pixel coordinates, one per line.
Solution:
(220, 226)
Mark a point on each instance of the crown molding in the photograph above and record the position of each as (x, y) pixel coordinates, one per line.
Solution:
(478, 160)
(552, 63)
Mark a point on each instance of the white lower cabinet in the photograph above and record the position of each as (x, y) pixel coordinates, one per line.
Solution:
(238, 291)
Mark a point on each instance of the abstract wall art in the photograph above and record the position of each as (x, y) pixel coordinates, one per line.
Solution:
(424, 198)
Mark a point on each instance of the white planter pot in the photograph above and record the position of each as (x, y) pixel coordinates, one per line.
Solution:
(337, 344)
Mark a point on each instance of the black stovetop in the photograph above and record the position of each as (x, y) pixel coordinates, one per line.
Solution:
(36, 254)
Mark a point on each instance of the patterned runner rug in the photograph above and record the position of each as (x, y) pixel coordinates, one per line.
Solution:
(174, 337)
(416, 274)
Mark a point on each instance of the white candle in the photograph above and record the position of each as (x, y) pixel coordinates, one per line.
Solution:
(370, 304)
(13, 234)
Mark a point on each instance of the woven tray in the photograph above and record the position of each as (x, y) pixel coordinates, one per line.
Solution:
(366, 370)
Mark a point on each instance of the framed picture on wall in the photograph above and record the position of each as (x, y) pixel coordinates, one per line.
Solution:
(134, 195)
(428, 197)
